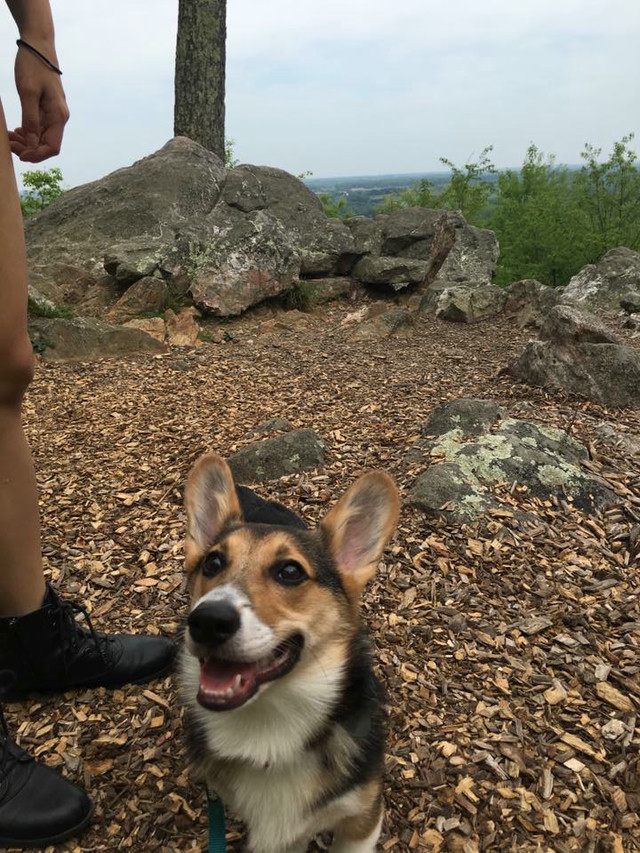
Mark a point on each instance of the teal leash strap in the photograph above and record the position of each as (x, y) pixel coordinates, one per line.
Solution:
(217, 842)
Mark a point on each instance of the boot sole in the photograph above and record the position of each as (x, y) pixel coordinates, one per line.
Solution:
(29, 843)
(43, 694)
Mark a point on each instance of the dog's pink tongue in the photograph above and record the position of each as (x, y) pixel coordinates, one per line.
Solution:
(218, 675)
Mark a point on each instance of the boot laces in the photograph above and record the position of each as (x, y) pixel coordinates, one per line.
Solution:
(74, 636)
(10, 754)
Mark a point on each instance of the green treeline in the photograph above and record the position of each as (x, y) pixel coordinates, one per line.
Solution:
(550, 220)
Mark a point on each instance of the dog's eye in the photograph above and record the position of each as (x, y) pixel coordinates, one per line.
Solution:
(289, 573)
(212, 564)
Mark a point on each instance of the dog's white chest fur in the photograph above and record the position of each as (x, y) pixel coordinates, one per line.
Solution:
(256, 758)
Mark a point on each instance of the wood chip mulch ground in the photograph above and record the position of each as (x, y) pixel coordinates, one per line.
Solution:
(509, 649)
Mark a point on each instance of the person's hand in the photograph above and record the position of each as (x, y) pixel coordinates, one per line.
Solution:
(44, 109)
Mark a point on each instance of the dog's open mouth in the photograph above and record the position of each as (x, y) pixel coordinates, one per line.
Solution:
(228, 684)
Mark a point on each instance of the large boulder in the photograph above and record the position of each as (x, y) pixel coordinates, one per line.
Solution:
(529, 301)
(545, 461)
(325, 245)
(607, 373)
(397, 273)
(455, 250)
(232, 238)
(235, 260)
(604, 286)
(470, 304)
(82, 339)
(570, 324)
(474, 256)
(267, 229)
(367, 234)
(131, 217)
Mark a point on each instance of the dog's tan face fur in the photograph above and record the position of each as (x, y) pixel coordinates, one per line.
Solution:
(337, 560)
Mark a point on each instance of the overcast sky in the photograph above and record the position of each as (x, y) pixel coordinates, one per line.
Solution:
(362, 87)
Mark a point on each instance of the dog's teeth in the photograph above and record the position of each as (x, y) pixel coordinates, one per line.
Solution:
(237, 681)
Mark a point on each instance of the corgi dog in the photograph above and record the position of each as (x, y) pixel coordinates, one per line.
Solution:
(284, 715)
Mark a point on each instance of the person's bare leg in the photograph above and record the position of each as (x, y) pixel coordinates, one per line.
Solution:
(22, 585)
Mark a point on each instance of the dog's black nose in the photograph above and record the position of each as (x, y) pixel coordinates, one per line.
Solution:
(213, 622)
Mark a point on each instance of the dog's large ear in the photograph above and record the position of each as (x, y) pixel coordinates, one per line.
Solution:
(211, 501)
(359, 526)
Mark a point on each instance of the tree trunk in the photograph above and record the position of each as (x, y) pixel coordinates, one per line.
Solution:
(200, 72)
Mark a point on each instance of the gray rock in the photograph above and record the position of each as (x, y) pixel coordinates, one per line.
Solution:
(291, 453)
(266, 230)
(236, 260)
(529, 302)
(630, 302)
(327, 289)
(134, 259)
(397, 273)
(602, 286)
(606, 373)
(394, 323)
(148, 295)
(470, 304)
(325, 245)
(455, 250)
(81, 339)
(568, 323)
(445, 490)
(472, 417)
(141, 207)
(367, 234)
(543, 459)
(410, 232)
(474, 256)
(431, 295)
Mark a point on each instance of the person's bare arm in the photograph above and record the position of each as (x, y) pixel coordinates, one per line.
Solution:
(44, 108)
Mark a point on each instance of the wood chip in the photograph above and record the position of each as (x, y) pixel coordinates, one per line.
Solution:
(613, 696)
(479, 630)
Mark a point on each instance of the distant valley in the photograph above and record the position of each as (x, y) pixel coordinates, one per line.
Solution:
(363, 193)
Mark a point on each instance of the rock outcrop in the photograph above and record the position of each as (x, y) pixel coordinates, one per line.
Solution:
(83, 339)
(464, 468)
(177, 224)
(131, 217)
(607, 285)
(470, 304)
(582, 356)
(529, 301)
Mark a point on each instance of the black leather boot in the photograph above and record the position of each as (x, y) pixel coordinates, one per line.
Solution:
(37, 806)
(49, 652)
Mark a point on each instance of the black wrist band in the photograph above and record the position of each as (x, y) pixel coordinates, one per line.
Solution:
(47, 62)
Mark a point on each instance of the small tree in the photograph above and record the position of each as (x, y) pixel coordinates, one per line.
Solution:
(230, 160)
(468, 191)
(608, 194)
(42, 187)
(421, 194)
(335, 209)
(534, 220)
